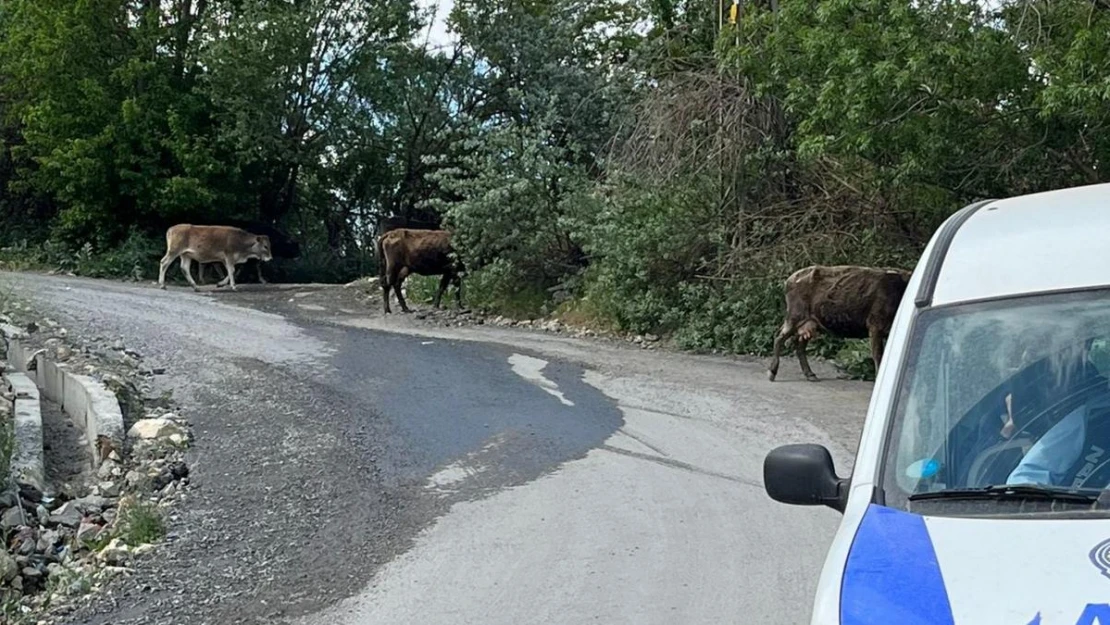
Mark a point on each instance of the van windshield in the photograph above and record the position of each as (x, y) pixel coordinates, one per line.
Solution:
(1009, 392)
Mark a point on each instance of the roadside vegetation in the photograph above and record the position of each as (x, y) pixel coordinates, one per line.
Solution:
(649, 167)
(140, 522)
(7, 441)
(7, 413)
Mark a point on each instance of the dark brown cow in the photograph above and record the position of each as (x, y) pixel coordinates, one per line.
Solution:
(209, 244)
(405, 251)
(844, 300)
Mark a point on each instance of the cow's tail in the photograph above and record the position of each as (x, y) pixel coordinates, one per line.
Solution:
(379, 254)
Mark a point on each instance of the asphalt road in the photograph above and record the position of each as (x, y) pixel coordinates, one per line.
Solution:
(357, 469)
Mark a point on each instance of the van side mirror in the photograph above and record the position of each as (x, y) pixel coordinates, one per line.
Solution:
(804, 475)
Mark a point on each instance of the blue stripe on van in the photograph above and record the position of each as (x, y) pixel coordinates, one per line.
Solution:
(892, 574)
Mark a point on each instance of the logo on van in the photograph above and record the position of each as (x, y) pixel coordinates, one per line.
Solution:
(1100, 557)
(1093, 614)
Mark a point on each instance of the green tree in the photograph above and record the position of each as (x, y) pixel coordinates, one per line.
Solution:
(108, 129)
(555, 89)
(283, 77)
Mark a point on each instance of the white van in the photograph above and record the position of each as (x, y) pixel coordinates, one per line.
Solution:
(978, 495)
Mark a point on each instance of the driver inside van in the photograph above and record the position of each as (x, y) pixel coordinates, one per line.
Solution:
(1073, 448)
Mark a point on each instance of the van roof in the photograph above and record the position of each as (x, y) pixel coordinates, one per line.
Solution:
(1051, 241)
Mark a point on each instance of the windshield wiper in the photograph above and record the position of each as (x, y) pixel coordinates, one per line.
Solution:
(1017, 491)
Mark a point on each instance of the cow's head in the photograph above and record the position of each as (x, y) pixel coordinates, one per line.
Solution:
(261, 247)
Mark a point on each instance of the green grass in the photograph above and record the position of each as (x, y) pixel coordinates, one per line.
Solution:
(10, 612)
(584, 313)
(421, 289)
(140, 522)
(68, 582)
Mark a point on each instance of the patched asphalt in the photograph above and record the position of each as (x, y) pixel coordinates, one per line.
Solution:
(334, 448)
(314, 444)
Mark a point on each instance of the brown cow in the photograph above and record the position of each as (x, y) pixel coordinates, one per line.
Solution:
(208, 244)
(847, 301)
(405, 251)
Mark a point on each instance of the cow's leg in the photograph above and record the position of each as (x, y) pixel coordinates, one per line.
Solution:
(186, 267)
(163, 265)
(203, 271)
(806, 332)
(217, 267)
(397, 275)
(384, 280)
(877, 344)
(261, 280)
(396, 282)
(443, 284)
(225, 280)
(391, 279)
(784, 333)
(800, 346)
(230, 266)
(458, 291)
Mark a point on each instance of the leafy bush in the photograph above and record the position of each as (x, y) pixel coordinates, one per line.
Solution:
(22, 256)
(135, 259)
(500, 288)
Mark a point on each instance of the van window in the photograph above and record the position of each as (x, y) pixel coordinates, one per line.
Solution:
(984, 383)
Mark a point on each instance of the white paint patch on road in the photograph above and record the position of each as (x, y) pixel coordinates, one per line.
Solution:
(666, 523)
(452, 476)
(531, 369)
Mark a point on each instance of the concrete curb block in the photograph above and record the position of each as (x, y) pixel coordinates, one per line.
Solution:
(89, 404)
(88, 400)
(27, 465)
(11, 331)
(13, 337)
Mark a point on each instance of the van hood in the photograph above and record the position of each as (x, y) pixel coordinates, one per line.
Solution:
(911, 569)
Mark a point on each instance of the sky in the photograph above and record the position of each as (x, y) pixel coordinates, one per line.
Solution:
(437, 32)
(438, 37)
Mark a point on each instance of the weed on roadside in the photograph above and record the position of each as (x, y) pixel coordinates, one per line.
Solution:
(11, 611)
(7, 444)
(139, 522)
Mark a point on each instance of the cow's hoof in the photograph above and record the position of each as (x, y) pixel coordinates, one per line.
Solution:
(771, 375)
(811, 377)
